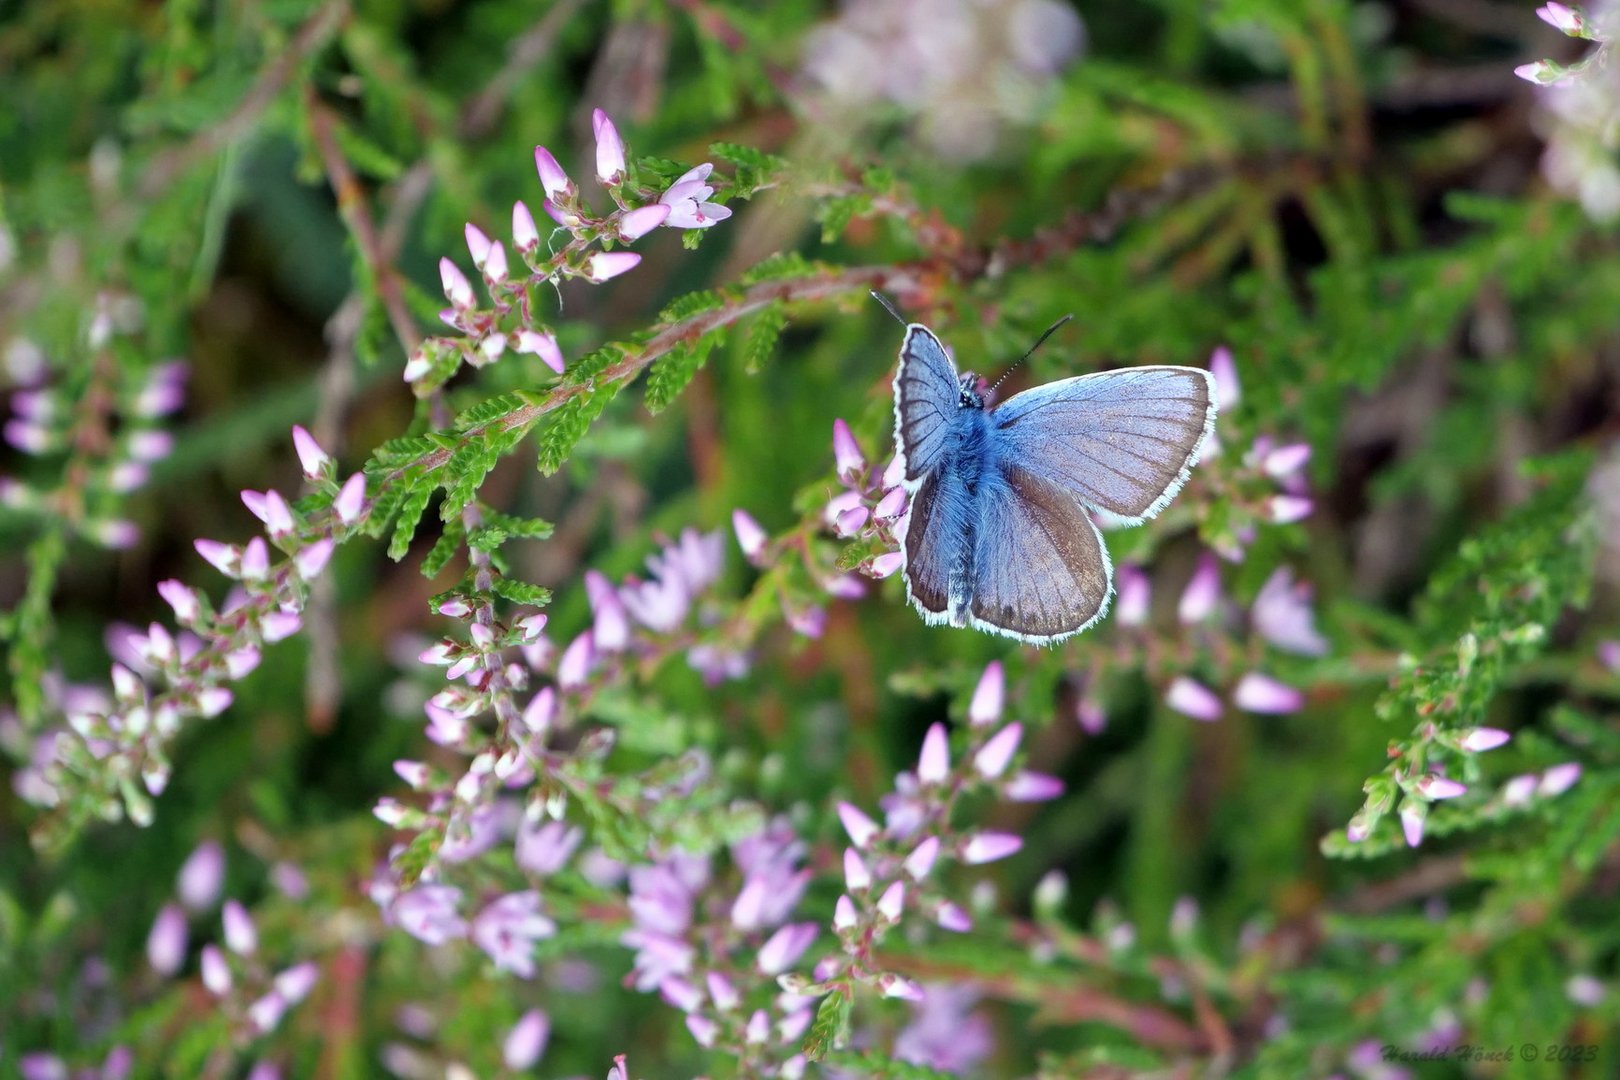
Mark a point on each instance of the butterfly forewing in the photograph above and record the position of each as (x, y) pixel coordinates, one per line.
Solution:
(1121, 441)
(925, 401)
(1041, 572)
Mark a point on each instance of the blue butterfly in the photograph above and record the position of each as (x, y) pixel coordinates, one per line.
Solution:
(998, 534)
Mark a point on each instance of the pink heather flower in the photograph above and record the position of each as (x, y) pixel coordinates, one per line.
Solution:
(612, 624)
(619, 1071)
(704, 1031)
(166, 943)
(255, 559)
(610, 166)
(508, 928)
(893, 901)
(552, 178)
(1131, 596)
(847, 452)
(279, 625)
(952, 918)
(1357, 830)
(644, 219)
(921, 860)
(1558, 779)
(574, 669)
(750, 536)
(841, 504)
(1192, 698)
(845, 587)
(295, 983)
(428, 913)
(1203, 591)
(1286, 460)
(894, 986)
(456, 608)
(1287, 509)
(886, 565)
(610, 264)
(783, 948)
(688, 197)
(525, 237)
(216, 973)
(150, 445)
(1089, 715)
(183, 599)
(851, 521)
(1282, 615)
(1608, 654)
(543, 345)
(862, 829)
(1412, 818)
(1439, 787)
(1259, 693)
(477, 244)
(988, 696)
(857, 877)
(934, 763)
(526, 1042)
(546, 849)
(844, 917)
(1484, 738)
(225, 558)
(943, 1035)
(721, 992)
(989, 846)
(213, 700)
(1227, 390)
(892, 505)
(416, 367)
(1032, 787)
(809, 622)
(1519, 790)
(993, 758)
(278, 515)
(351, 498)
(27, 437)
(266, 1013)
(240, 935)
(202, 876)
(495, 269)
(456, 288)
(415, 774)
(1562, 19)
(116, 534)
(312, 559)
(1585, 990)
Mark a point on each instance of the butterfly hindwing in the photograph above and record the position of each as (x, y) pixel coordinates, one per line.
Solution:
(925, 402)
(1121, 441)
(1041, 572)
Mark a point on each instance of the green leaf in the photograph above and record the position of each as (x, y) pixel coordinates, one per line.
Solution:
(694, 303)
(782, 266)
(411, 508)
(763, 334)
(569, 423)
(521, 592)
(444, 549)
(831, 1029)
(671, 372)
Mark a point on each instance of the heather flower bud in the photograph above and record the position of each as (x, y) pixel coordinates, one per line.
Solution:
(846, 452)
(750, 536)
(1484, 738)
(783, 948)
(525, 236)
(477, 244)
(1287, 509)
(310, 455)
(892, 902)
(886, 565)
(1413, 814)
(639, 222)
(844, 916)
(610, 165)
(456, 288)
(495, 267)
(1227, 390)
(216, 973)
(891, 506)
(921, 860)
(542, 345)
(610, 264)
(893, 986)
(1192, 698)
(255, 559)
(990, 846)
(1203, 591)
(857, 878)
(851, 521)
(1032, 787)
(1439, 787)
(992, 759)
(312, 558)
(350, 499)
(553, 179)
(1258, 693)
(862, 829)
(526, 1042)
(1558, 779)
(240, 936)
(934, 763)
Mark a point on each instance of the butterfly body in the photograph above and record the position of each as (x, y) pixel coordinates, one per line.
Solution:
(998, 534)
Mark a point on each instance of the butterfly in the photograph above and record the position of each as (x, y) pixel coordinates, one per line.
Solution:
(999, 534)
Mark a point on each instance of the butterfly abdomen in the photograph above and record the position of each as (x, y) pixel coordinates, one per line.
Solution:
(973, 463)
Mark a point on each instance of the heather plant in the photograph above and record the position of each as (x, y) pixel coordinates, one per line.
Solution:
(452, 531)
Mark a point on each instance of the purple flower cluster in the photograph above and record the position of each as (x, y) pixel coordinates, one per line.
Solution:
(889, 869)
(111, 437)
(712, 945)
(510, 321)
(128, 736)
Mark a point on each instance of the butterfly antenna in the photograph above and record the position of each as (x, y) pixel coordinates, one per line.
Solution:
(1050, 330)
(884, 300)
